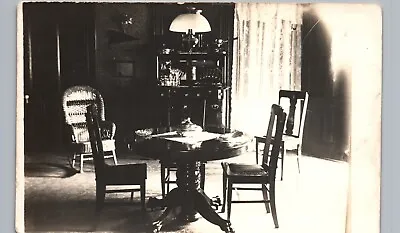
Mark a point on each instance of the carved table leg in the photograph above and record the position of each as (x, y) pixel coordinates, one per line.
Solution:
(188, 178)
(159, 222)
(203, 206)
(191, 198)
(172, 201)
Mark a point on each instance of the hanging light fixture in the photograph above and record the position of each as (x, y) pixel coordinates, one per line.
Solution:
(190, 23)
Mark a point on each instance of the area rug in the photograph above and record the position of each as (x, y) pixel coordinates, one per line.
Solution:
(57, 199)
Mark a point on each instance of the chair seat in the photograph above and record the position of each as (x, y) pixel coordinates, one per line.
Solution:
(169, 164)
(85, 147)
(236, 169)
(290, 142)
(125, 174)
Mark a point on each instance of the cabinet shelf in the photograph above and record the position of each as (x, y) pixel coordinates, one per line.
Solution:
(195, 87)
(205, 69)
(205, 78)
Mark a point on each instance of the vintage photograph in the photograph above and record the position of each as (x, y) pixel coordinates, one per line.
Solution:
(198, 117)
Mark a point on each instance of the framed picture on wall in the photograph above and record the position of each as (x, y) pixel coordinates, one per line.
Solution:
(125, 69)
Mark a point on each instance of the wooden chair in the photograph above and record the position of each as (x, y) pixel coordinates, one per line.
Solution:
(75, 101)
(168, 167)
(297, 103)
(113, 175)
(235, 174)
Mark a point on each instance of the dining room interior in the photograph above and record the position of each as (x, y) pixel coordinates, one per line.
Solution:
(211, 77)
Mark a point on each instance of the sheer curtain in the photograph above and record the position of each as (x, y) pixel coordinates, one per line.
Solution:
(266, 59)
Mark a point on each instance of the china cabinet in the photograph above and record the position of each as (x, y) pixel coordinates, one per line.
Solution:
(195, 82)
(187, 82)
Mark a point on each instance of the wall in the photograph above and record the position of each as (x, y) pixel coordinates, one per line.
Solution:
(353, 54)
(59, 53)
(106, 15)
(123, 96)
(326, 75)
(131, 103)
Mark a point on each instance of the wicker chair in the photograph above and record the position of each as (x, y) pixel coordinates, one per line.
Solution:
(75, 101)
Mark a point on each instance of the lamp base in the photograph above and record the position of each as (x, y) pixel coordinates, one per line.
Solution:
(189, 41)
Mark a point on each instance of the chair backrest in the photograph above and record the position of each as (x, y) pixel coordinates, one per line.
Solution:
(75, 101)
(273, 137)
(296, 106)
(93, 125)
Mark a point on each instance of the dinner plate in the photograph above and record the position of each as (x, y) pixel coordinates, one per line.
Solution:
(144, 132)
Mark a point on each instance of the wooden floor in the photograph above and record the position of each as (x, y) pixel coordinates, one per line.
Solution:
(58, 200)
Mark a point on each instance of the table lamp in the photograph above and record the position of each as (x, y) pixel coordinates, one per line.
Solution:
(190, 23)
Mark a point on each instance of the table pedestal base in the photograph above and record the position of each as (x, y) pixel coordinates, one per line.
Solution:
(191, 198)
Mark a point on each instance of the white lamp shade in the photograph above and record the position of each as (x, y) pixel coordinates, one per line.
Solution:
(195, 21)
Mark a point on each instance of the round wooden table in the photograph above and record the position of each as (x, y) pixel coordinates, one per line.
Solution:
(188, 157)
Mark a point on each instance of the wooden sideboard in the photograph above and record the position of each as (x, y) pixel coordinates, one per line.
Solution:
(177, 103)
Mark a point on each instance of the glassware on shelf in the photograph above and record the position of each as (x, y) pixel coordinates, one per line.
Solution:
(171, 77)
(194, 73)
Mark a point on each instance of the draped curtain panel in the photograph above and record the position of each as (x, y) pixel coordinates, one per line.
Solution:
(266, 59)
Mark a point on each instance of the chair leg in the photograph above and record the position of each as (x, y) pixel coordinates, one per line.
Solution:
(256, 151)
(202, 175)
(162, 180)
(115, 157)
(224, 179)
(143, 195)
(273, 206)
(132, 196)
(81, 160)
(100, 196)
(266, 198)
(229, 200)
(283, 152)
(167, 179)
(73, 161)
(298, 156)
